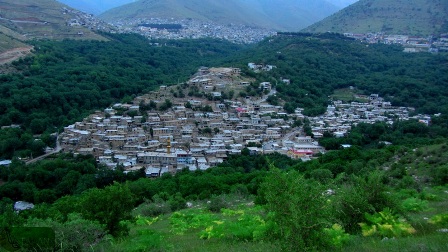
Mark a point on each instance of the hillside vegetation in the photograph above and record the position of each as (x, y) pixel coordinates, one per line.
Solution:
(355, 198)
(412, 17)
(67, 80)
(318, 64)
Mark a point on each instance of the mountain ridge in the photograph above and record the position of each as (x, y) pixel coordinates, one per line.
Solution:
(286, 15)
(413, 17)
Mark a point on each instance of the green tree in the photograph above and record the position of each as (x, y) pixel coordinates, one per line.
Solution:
(299, 209)
(109, 206)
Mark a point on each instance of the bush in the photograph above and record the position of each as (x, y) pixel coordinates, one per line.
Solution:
(217, 203)
(439, 220)
(337, 236)
(177, 202)
(153, 209)
(299, 210)
(77, 234)
(386, 224)
(414, 205)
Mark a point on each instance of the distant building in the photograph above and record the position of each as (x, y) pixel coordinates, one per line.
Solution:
(23, 205)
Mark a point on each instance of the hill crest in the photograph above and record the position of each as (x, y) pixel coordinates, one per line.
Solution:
(413, 17)
(287, 15)
(21, 21)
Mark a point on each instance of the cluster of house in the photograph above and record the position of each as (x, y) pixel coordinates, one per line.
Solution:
(86, 20)
(181, 137)
(260, 67)
(410, 43)
(193, 29)
(340, 117)
(185, 136)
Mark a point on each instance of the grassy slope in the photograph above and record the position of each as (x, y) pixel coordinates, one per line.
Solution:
(161, 237)
(416, 17)
(7, 42)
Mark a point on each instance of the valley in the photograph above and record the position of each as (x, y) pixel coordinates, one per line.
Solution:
(213, 126)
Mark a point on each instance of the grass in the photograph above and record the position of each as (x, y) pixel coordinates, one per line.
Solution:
(160, 234)
(427, 237)
(346, 95)
(156, 234)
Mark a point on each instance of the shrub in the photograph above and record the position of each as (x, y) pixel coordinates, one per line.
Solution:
(386, 224)
(439, 219)
(217, 203)
(153, 209)
(77, 234)
(414, 205)
(298, 208)
(337, 236)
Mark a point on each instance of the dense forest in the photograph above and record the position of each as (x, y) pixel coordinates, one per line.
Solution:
(66, 80)
(317, 64)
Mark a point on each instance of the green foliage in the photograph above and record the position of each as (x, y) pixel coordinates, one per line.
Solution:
(69, 79)
(109, 206)
(76, 234)
(249, 225)
(299, 210)
(386, 224)
(360, 196)
(439, 220)
(318, 64)
(48, 180)
(190, 219)
(414, 205)
(153, 209)
(217, 203)
(338, 237)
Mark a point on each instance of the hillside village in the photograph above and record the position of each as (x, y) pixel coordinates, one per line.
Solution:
(411, 44)
(153, 28)
(168, 130)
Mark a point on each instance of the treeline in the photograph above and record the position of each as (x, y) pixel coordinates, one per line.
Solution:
(49, 180)
(408, 133)
(357, 175)
(317, 64)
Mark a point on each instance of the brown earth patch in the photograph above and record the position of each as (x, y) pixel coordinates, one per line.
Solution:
(14, 54)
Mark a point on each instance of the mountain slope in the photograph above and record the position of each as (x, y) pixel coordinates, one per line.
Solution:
(414, 17)
(95, 7)
(21, 20)
(291, 15)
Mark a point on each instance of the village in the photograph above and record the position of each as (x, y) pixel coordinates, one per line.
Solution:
(168, 130)
(159, 28)
(411, 44)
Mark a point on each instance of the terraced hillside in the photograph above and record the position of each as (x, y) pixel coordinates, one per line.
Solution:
(22, 20)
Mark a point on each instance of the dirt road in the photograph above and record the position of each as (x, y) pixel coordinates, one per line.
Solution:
(14, 54)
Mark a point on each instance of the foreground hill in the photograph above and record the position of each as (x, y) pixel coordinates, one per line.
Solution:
(414, 17)
(21, 20)
(281, 15)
